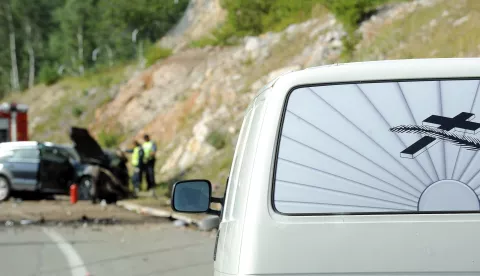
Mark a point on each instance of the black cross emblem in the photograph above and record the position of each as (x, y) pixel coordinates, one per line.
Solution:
(458, 123)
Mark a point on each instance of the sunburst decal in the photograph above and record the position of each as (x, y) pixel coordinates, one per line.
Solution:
(340, 144)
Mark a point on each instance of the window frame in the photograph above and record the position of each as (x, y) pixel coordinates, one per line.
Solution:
(279, 135)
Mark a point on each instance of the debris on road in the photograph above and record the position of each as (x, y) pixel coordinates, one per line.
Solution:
(202, 222)
(61, 213)
(179, 223)
(26, 222)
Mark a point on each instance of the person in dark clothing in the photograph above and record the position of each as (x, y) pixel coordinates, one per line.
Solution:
(149, 150)
(137, 165)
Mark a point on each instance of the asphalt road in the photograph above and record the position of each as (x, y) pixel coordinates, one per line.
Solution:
(130, 250)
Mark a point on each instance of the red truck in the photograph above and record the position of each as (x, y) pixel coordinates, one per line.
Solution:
(13, 122)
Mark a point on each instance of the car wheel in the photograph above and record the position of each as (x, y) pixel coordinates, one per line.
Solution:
(4, 188)
(85, 188)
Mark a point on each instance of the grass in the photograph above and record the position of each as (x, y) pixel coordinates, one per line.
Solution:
(427, 34)
(205, 41)
(222, 36)
(155, 54)
(309, 12)
(77, 111)
(104, 77)
(217, 139)
(109, 140)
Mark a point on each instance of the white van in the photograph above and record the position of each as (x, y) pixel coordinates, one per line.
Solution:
(369, 168)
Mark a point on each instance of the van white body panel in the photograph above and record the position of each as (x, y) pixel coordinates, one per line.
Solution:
(386, 235)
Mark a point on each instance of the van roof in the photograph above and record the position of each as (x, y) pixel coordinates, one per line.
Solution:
(367, 71)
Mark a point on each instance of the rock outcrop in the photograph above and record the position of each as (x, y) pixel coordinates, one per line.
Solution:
(199, 19)
(181, 100)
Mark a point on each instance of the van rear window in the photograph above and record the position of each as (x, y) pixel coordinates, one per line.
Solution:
(383, 147)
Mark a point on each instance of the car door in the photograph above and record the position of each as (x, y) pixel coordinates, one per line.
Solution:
(24, 166)
(56, 171)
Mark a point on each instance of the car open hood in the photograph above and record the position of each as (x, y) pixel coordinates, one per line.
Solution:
(87, 148)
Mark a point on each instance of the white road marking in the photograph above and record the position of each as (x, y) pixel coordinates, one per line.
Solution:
(74, 260)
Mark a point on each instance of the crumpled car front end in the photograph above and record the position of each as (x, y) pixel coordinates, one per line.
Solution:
(108, 169)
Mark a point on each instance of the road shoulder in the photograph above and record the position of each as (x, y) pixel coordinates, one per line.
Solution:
(160, 208)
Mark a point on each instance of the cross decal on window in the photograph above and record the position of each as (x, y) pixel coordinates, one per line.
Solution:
(458, 123)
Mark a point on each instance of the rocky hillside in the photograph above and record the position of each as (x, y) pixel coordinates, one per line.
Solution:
(192, 102)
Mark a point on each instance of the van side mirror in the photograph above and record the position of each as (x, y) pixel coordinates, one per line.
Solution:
(193, 196)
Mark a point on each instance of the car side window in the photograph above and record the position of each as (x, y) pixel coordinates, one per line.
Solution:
(67, 154)
(26, 154)
(53, 155)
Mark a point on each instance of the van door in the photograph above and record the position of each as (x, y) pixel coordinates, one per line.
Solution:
(56, 172)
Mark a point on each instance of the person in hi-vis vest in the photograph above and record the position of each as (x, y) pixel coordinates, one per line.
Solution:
(137, 164)
(149, 150)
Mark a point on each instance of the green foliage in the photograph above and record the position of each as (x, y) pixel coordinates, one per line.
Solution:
(48, 75)
(78, 37)
(106, 81)
(217, 139)
(109, 139)
(223, 36)
(253, 17)
(352, 12)
(248, 62)
(349, 42)
(283, 13)
(204, 42)
(77, 111)
(155, 53)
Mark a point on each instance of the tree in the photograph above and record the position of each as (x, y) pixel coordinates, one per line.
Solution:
(45, 39)
(29, 23)
(75, 19)
(245, 16)
(14, 78)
